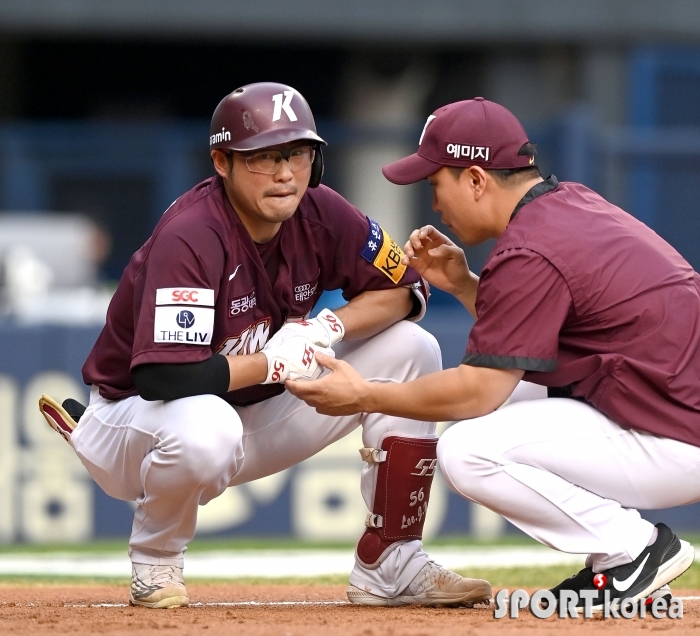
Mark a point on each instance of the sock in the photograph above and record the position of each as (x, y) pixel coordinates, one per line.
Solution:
(654, 536)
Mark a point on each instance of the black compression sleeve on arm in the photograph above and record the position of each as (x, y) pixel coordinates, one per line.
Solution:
(174, 381)
(416, 308)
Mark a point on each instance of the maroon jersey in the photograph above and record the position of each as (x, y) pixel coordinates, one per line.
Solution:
(200, 285)
(580, 294)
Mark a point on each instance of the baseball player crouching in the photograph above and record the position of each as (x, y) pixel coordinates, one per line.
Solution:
(234, 267)
(591, 306)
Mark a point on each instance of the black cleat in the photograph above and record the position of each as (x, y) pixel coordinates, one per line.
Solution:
(658, 564)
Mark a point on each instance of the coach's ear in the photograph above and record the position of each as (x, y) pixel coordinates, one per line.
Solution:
(223, 162)
(475, 180)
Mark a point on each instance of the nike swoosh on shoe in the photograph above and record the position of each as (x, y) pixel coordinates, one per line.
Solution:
(623, 586)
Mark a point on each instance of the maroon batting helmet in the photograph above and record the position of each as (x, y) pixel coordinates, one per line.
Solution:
(261, 115)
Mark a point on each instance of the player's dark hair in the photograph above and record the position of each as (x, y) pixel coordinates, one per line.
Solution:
(515, 176)
(506, 177)
(229, 161)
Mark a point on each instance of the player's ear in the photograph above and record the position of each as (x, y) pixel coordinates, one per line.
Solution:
(223, 162)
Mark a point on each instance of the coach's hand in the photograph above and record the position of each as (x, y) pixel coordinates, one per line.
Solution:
(435, 257)
(442, 263)
(341, 392)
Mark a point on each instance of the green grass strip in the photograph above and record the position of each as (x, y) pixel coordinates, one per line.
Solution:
(252, 543)
(512, 578)
(115, 546)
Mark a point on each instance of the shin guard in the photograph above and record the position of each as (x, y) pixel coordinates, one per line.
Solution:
(406, 467)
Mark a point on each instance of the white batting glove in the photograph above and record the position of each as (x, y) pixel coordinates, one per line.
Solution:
(324, 330)
(294, 359)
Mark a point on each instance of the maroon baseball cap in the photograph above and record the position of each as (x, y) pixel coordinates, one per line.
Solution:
(472, 132)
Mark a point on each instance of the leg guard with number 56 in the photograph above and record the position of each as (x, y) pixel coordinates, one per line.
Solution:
(406, 467)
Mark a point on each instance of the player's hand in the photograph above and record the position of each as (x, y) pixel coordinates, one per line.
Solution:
(340, 392)
(324, 330)
(437, 259)
(294, 359)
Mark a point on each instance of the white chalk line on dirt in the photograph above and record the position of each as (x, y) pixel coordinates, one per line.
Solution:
(270, 603)
(226, 604)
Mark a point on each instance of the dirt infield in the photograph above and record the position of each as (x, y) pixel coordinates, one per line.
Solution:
(317, 610)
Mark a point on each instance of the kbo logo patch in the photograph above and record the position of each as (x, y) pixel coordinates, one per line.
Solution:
(383, 252)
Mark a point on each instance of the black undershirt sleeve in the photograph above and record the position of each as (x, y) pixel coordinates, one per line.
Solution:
(173, 381)
(416, 309)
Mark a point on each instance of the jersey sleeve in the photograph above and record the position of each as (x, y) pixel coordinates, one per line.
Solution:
(363, 256)
(522, 304)
(175, 295)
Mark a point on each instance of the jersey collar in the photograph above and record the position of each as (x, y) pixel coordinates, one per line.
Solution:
(535, 191)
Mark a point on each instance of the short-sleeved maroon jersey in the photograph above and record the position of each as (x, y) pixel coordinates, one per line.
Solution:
(580, 294)
(199, 285)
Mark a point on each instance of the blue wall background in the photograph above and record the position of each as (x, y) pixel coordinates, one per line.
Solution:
(127, 174)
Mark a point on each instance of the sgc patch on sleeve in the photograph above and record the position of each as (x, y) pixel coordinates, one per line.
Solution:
(383, 252)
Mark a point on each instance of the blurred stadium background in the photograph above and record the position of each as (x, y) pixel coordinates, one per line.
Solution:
(104, 116)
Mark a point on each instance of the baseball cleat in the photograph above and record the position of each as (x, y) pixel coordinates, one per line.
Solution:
(432, 586)
(61, 418)
(157, 586)
(646, 577)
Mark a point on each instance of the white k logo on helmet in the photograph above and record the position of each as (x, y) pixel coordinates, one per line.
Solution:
(283, 106)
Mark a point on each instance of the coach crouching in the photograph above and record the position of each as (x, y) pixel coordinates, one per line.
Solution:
(596, 312)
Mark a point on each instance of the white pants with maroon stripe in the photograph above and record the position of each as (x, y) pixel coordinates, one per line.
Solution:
(171, 457)
(569, 476)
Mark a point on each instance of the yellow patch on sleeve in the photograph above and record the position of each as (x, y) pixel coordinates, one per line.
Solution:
(388, 259)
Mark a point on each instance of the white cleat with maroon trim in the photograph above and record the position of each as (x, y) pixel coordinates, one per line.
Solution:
(432, 586)
(157, 586)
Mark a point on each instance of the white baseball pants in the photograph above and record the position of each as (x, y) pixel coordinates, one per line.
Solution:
(568, 476)
(170, 457)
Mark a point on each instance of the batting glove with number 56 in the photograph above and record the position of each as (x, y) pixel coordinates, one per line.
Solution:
(324, 330)
(293, 359)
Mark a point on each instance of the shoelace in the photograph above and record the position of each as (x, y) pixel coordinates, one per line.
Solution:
(163, 574)
(426, 575)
